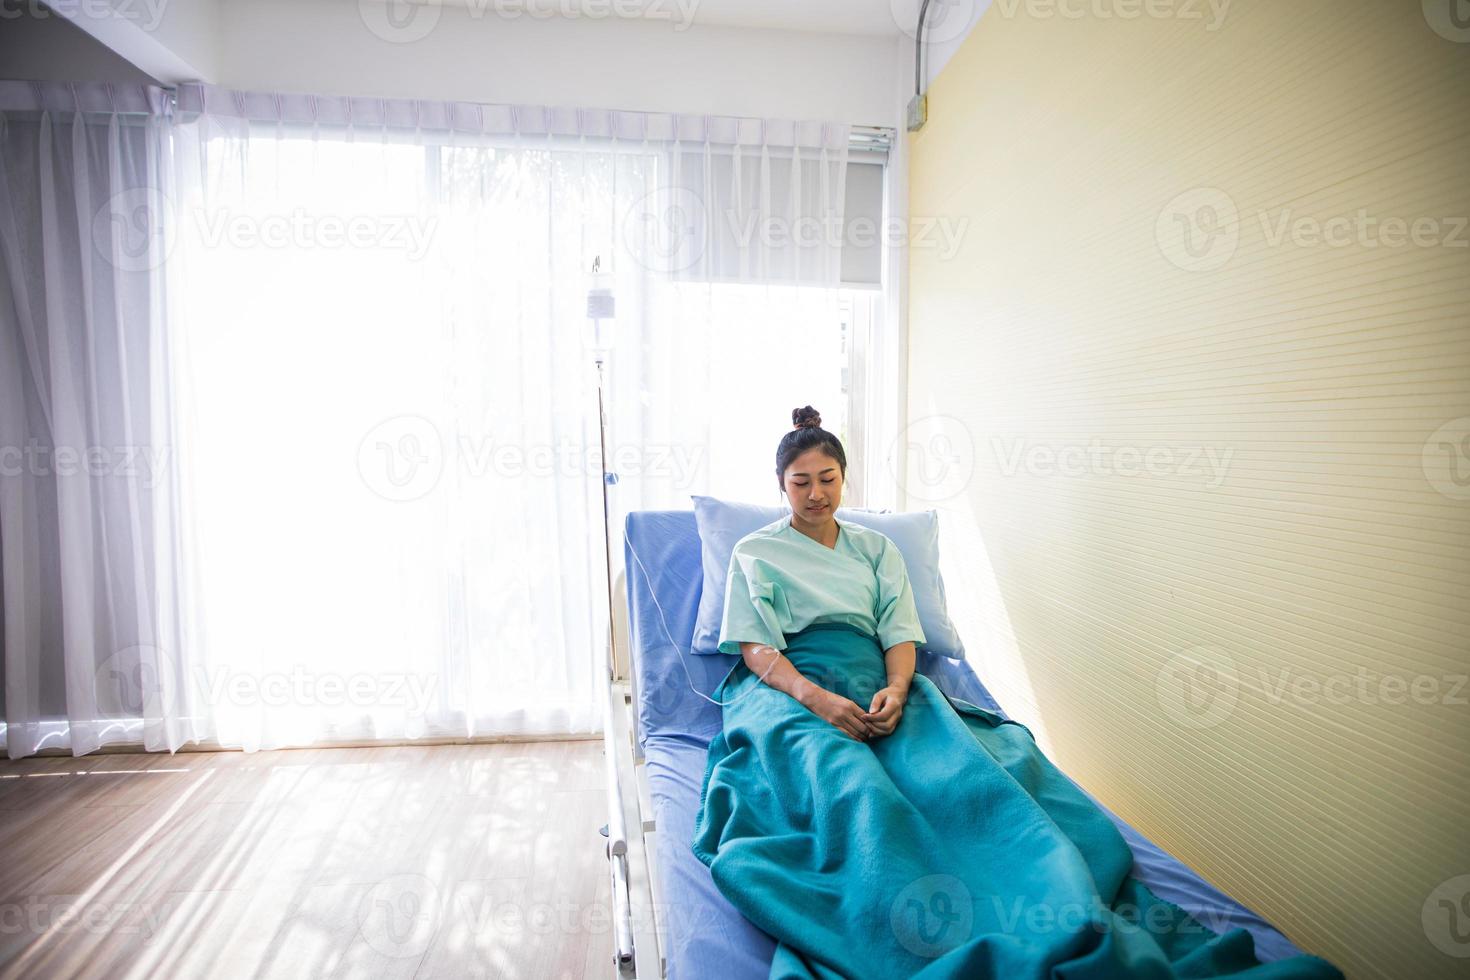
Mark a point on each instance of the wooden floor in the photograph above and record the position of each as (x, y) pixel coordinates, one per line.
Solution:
(434, 861)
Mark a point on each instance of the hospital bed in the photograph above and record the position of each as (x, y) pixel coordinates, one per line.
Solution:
(657, 740)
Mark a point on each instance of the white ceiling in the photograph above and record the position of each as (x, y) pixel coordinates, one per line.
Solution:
(871, 17)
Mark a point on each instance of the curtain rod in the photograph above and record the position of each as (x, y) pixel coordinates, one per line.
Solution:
(860, 137)
(876, 138)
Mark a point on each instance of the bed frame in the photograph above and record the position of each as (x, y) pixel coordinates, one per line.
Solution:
(641, 917)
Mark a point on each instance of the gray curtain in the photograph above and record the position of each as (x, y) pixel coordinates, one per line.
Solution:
(85, 461)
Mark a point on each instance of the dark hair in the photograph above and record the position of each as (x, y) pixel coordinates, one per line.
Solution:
(807, 433)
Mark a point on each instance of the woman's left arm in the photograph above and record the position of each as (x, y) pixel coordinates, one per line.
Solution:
(898, 626)
(887, 706)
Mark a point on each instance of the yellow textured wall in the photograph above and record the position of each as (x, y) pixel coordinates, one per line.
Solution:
(1189, 380)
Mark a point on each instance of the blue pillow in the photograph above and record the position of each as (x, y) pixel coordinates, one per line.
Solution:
(722, 523)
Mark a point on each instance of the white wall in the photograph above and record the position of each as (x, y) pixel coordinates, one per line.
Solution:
(36, 45)
(471, 53)
(327, 47)
(169, 40)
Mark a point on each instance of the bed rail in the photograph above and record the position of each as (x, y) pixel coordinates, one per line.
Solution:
(617, 836)
(637, 942)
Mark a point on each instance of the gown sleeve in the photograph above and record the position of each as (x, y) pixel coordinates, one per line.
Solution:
(751, 603)
(897, 615)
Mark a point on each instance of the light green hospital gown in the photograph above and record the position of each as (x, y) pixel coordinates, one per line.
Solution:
(780, 581)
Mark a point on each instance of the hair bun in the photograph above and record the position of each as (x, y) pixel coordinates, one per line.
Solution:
(805, 417)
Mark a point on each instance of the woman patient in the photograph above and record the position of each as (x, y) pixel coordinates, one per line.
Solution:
(875, 827)
(814, 570)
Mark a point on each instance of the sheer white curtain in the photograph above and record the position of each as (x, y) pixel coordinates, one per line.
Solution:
(392, 432)
(325, 358)
(89, 540)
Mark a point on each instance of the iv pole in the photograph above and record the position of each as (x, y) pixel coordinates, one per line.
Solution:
(601, 306)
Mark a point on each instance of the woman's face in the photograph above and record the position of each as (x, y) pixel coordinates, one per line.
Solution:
(813, 485)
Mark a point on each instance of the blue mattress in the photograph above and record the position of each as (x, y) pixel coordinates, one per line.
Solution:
(704, 935)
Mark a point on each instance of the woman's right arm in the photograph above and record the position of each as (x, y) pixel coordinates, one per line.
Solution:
(784, 677)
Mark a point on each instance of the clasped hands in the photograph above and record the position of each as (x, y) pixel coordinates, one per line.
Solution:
(880, 719)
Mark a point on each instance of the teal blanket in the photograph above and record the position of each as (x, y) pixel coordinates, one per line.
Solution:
(951, 848)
